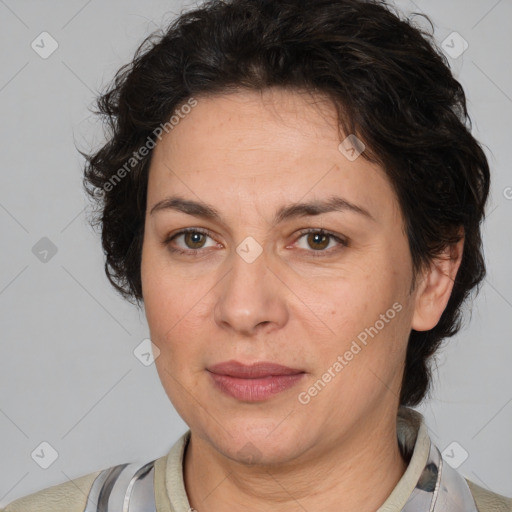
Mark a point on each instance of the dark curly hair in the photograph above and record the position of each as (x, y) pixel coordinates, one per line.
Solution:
(390, 84)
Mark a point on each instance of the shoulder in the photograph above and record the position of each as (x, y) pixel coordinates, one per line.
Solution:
(70, 496)
(111, 483)
(488, 501)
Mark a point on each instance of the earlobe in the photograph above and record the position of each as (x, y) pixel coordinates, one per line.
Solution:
(436, 287)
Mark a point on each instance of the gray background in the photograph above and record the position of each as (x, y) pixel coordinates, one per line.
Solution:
(68, 373)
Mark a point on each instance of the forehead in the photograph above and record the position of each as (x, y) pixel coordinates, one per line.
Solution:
(263, 149)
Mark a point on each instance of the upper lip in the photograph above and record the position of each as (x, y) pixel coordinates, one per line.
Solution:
(255, 370)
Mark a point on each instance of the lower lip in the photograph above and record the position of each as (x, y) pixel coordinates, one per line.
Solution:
(255, 390)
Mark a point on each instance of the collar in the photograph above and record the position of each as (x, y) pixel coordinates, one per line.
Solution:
(429, 484)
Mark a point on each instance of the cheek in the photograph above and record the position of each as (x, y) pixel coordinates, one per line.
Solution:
(165, 297)
(352, 303)
(367, 314)
(174, 311)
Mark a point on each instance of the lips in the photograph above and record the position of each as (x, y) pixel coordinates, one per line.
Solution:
(253, 383)
(253, 371)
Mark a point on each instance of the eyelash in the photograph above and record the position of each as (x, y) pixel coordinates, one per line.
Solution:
(315, 254)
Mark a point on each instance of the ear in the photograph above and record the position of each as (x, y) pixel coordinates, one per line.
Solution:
(436, 287)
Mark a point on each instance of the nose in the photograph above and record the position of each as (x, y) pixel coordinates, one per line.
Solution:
(252, 298)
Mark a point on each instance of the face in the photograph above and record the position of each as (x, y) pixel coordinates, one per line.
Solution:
(321, 290)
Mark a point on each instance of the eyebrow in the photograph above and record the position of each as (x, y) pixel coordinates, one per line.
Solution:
(294, 210)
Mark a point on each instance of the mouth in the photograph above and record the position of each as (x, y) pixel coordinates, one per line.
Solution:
(256, 382)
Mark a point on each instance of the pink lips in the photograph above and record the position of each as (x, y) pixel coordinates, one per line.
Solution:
(256, 382)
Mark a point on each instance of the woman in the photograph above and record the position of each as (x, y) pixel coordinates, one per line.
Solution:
(291, 192)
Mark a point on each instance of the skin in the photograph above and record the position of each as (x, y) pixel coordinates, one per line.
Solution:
(247, 154)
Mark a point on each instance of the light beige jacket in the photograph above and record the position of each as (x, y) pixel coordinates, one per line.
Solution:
(170, 494)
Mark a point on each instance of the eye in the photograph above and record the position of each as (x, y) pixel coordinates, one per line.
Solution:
(319, 240)
(193, 238)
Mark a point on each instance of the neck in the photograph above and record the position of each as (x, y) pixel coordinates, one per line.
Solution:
(358, 472)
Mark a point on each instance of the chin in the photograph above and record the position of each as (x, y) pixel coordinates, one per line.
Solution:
(265, 444)
(261, 453)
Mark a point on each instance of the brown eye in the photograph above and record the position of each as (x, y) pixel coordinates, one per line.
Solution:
(189, 241)
(318, 241)
(193, 240)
